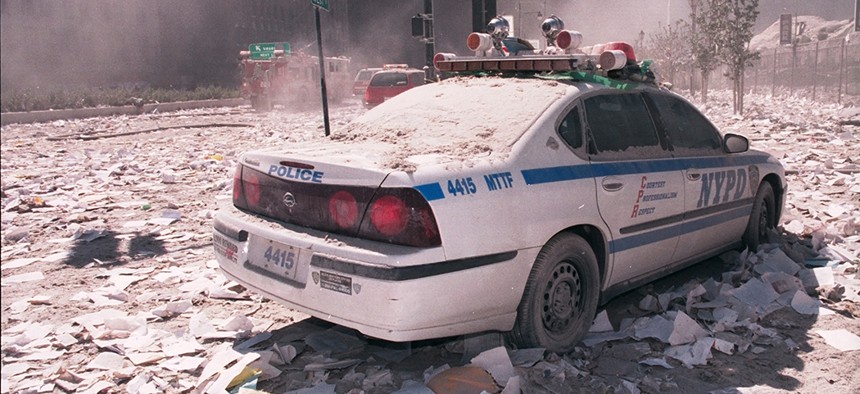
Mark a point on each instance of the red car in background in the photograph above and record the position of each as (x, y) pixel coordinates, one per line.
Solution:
(388, 83)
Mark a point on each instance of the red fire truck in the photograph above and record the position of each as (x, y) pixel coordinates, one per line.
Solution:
(271, 75)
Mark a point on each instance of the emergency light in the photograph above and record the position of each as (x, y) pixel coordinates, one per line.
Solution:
(479, 43)
(563, 53)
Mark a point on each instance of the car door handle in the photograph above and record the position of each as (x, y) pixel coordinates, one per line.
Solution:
(694, 176)
(612, 184)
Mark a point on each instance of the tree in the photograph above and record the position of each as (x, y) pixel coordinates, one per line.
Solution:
(693, 4)
(702, 40)
(734, 44)
(723, 36)
(670, 48)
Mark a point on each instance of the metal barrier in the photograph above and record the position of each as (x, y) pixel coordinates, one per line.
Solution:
(827, 71)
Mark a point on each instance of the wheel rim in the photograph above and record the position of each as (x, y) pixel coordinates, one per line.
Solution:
(763, 221)
(562, 299)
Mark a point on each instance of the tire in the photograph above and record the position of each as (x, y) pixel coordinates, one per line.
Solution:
(261, 103)
(560, 298)
(762, 217)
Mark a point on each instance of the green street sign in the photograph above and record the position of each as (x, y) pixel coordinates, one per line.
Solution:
(265, 51)
(321, 4)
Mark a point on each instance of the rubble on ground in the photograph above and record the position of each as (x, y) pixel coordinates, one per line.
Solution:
(109, 282)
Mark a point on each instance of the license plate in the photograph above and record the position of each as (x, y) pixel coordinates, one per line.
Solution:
(276, 258)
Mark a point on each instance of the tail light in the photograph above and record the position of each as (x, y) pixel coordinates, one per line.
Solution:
(389, 215)
(399, 216)
(343, 209)
(251, 186)
(238, 192)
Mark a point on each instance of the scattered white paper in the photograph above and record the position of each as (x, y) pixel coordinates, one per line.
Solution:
(841, 339)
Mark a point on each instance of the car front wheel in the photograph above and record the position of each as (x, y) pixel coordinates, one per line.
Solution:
(761, 218)
(560, 297)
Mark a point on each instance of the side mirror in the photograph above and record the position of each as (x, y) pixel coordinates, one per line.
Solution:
(733, 143)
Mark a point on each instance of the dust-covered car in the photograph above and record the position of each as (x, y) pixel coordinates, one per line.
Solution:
(509, 201)
(390, 82)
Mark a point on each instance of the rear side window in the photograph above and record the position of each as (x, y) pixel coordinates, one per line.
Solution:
(621, 127)
(689, 132)
(389, 79)
(570, 129)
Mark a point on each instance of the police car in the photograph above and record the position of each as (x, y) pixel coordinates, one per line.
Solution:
(517, 195)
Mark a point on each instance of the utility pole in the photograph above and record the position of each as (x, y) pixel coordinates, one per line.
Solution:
(317, 4)
(429, 43)
(422, 30)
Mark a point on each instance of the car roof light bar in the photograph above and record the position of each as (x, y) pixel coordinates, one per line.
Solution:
(518, 63)
(614, 60)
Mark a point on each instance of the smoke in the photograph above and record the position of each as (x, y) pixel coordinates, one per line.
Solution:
(105, 43)
(381, 32)
(54, 45)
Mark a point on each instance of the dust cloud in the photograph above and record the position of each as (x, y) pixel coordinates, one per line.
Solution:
(83, 43)
(166, 43)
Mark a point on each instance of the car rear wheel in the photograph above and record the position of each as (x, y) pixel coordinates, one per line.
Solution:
(761, 217)
(560, 297)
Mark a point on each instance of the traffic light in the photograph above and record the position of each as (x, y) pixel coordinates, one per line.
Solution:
(422, 27)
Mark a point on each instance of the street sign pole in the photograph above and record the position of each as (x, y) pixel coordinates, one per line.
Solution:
(322, 72)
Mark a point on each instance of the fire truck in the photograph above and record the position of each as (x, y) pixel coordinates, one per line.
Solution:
(271, 75)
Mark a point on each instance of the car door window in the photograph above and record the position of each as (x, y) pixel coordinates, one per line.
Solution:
(689, 132)
(417, 79)
(620, 127)
(570, 129)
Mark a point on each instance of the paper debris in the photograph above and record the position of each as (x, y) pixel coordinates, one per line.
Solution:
(804, 304)
(334, 342)
(107, 361)
(497, 363)
(685, 330)
(696, 354)
(18, 263)
(22, 278)
(841, 339)
(756, 294)
(526, 357)
(656, 327)
(601, 323)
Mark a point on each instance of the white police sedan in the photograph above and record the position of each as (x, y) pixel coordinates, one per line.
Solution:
(507, 201)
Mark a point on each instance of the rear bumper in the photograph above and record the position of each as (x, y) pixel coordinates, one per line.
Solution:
(386, 291)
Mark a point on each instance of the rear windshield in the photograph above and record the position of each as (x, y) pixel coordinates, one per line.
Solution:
(389, 79)
(364, 75)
